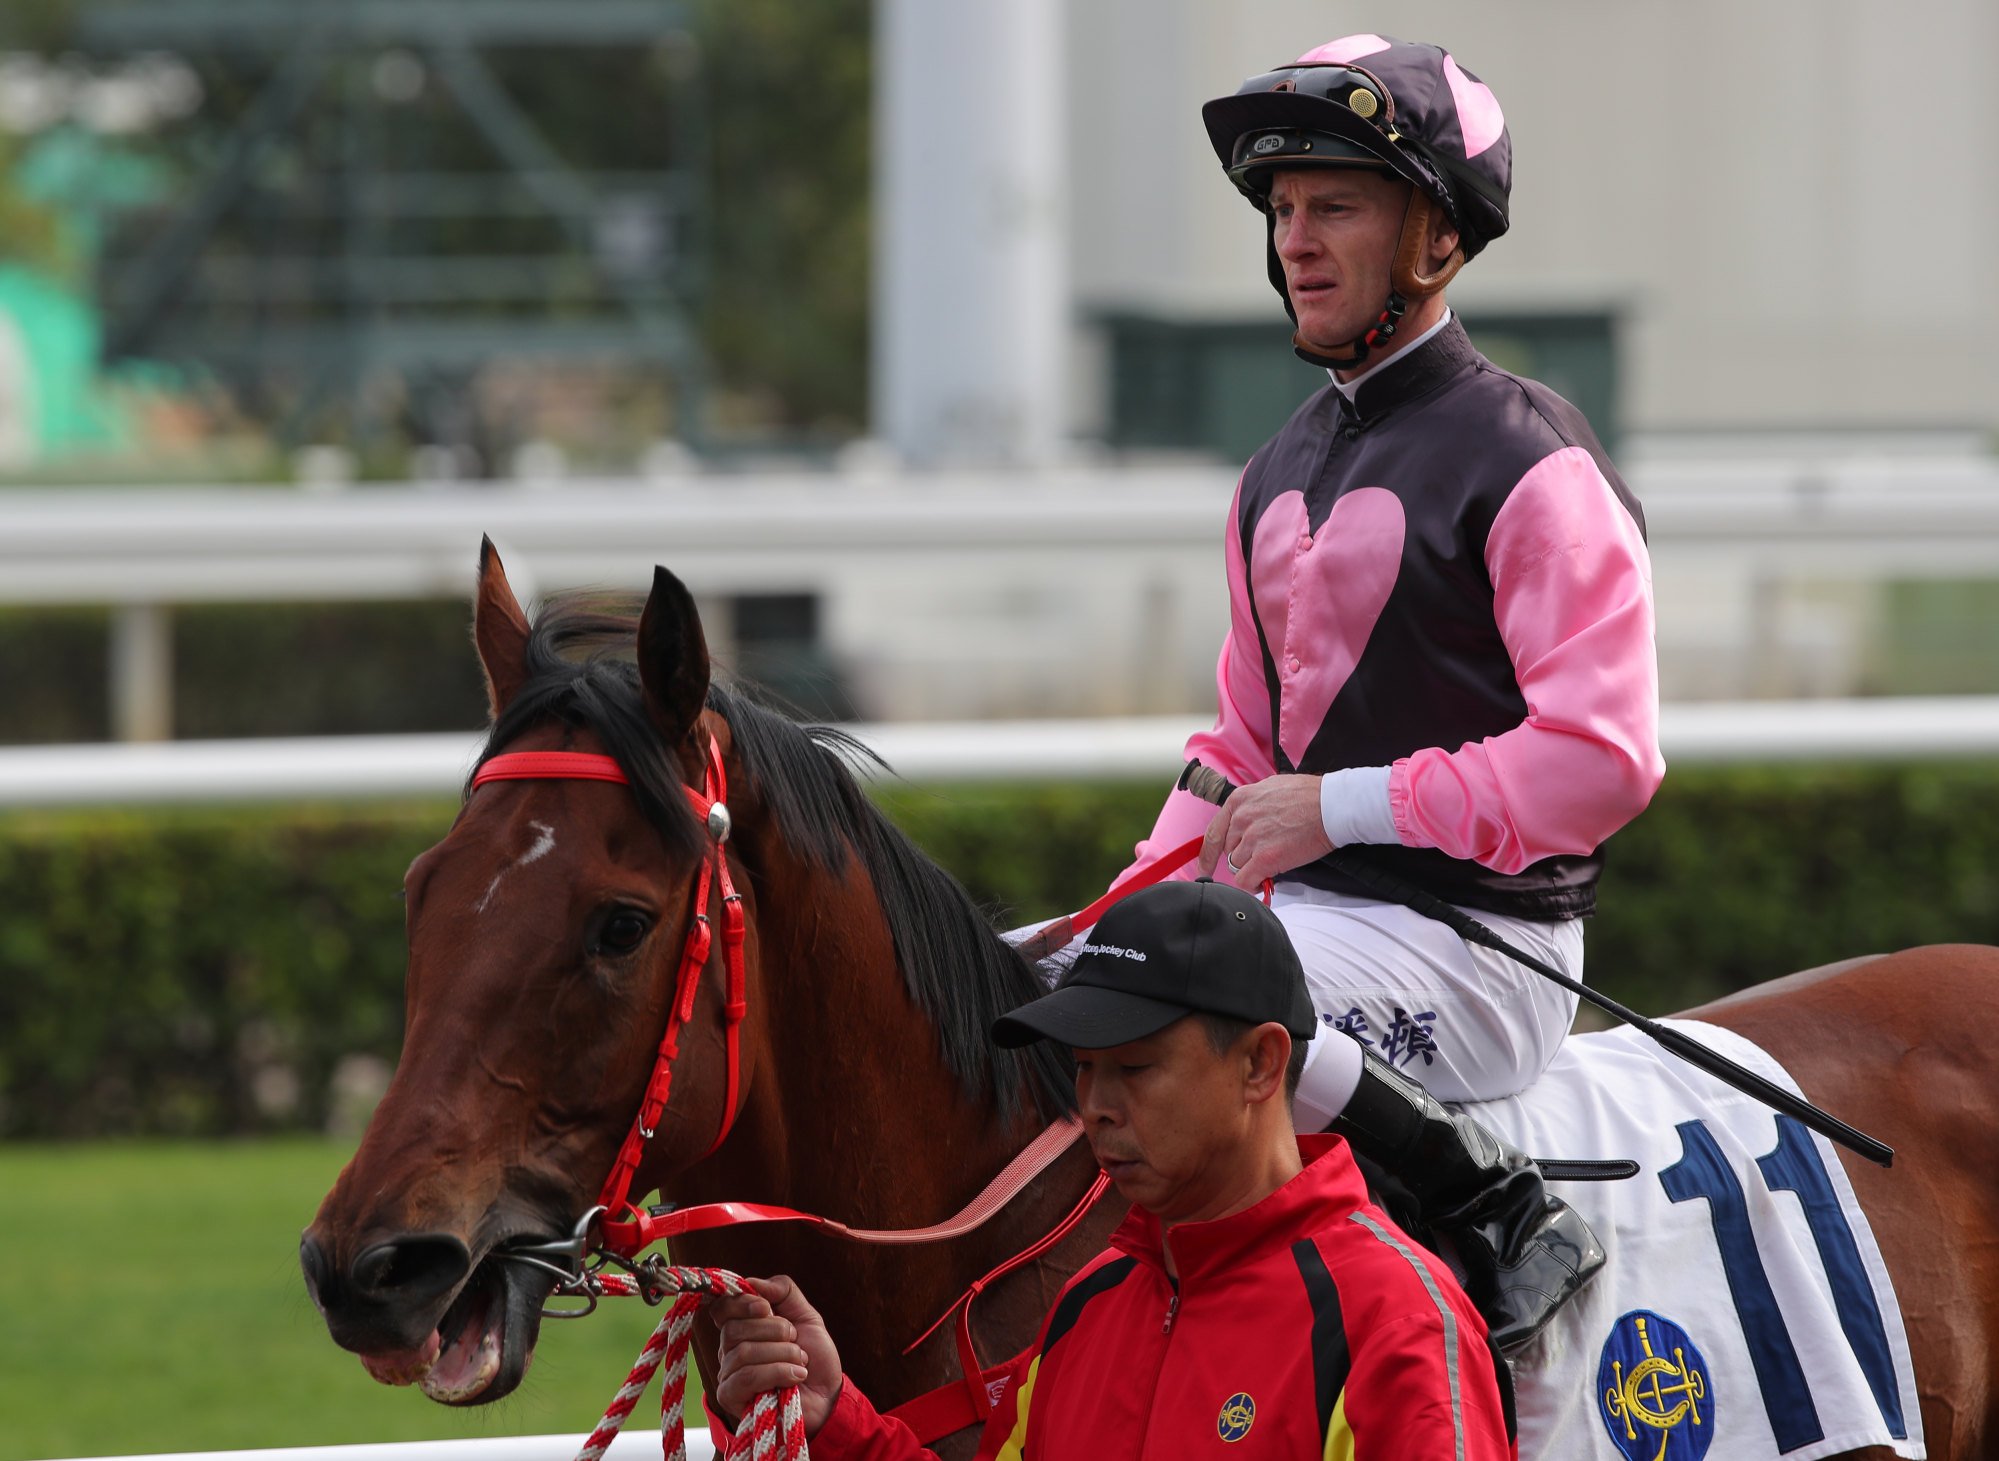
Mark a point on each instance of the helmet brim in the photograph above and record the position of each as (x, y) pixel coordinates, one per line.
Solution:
(1227, 118)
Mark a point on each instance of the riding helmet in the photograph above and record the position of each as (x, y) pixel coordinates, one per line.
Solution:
(1374, 101)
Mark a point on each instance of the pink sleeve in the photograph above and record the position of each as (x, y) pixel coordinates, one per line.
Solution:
(1572, 595)
(1238, 745)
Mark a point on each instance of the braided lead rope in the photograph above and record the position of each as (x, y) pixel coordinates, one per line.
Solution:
(774, 1430)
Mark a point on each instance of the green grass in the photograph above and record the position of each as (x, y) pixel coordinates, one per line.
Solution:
(150, 1300)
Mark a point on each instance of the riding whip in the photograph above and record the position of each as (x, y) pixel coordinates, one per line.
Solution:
(1211, 786)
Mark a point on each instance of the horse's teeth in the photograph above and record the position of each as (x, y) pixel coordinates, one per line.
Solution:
(485, 1365)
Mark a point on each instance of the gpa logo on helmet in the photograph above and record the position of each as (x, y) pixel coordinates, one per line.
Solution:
(1238, 1415)
(1268, 142)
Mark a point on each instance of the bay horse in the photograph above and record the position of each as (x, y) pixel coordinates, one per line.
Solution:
(544, 932)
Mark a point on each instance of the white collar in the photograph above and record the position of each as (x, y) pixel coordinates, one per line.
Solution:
(1349, 387)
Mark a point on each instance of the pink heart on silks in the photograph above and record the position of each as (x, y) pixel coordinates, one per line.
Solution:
(1320, 595)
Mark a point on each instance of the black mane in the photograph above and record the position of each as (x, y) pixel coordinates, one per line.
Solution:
(581, 672)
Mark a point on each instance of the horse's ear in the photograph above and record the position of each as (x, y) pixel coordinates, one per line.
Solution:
(673, 657)
(500, 630)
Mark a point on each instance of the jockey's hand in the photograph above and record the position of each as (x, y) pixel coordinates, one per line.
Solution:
(772, 1338)
(1264, 830)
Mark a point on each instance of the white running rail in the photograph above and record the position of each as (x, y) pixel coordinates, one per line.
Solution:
(1139, 748)
(1864, 517)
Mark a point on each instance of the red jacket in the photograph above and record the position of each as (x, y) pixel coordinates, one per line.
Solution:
(1304, 1326)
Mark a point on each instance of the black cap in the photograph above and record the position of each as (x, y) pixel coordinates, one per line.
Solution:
(1167, 951)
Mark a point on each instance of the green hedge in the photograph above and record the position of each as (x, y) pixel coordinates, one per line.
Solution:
(157, 972)
(1730, 877)
(205, 972)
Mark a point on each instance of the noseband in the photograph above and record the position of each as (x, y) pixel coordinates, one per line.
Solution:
(708, 804)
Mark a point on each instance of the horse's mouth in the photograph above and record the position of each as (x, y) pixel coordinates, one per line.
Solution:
(481, 1346)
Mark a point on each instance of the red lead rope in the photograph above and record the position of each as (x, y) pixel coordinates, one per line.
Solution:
(775, 1425)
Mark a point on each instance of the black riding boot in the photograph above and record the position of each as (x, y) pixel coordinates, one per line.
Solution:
(1525, 1253)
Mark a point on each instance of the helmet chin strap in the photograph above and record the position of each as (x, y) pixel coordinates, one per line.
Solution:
(1408, 284)
(1357, 350)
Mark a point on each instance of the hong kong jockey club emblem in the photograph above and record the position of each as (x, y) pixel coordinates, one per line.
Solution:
(1238, 1415)
(1652, 1390)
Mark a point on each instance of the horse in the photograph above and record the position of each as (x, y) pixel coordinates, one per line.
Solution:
(544, 932)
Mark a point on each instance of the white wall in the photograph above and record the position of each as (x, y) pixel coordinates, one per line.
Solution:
(1791, 199)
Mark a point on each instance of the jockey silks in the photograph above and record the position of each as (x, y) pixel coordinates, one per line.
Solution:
(1447, 577)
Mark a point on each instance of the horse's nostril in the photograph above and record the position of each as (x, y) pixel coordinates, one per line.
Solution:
(411, 1269)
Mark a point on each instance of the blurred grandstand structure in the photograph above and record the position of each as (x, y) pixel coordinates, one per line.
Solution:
(372, 204)
(348, 213)
(384, 202)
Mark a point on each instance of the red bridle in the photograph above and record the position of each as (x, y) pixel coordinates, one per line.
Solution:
(621, 1219)
(626, 1230)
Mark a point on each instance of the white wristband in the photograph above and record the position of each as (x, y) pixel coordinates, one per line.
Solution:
(1353, 806)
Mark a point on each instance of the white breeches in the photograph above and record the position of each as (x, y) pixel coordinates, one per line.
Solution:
(1467, 1022)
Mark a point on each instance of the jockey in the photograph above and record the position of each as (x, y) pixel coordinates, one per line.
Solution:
(1440, 651)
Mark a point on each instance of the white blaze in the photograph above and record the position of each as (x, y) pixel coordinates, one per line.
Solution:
(544, 843)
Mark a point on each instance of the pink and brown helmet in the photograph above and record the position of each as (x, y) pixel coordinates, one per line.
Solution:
(1370, 100)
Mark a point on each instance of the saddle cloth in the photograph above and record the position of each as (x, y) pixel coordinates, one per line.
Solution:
(1745, 1311)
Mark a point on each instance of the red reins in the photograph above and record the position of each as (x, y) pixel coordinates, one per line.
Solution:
(710, 805)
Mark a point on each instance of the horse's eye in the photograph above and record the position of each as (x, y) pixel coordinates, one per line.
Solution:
(623, 931)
